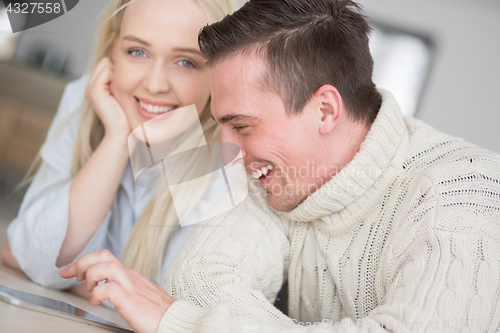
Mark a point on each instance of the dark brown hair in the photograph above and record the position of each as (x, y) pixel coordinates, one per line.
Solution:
(305, 44)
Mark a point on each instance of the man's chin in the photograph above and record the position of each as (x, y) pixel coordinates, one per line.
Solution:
(281, 203)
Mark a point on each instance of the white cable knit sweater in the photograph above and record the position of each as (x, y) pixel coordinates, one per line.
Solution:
(405, 238)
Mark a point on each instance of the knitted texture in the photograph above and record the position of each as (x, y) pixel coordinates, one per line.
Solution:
(406, 237)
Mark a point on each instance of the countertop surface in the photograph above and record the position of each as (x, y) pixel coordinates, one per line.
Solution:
(17, 319)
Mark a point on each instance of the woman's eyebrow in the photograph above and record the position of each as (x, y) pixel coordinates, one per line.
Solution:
(135, 39)
(176, 49)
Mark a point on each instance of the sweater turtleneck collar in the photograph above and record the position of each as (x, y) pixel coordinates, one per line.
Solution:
(350, 195)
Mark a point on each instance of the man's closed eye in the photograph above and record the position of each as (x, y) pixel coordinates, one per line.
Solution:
(239, 128)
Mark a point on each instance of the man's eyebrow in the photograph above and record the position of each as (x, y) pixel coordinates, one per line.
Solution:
(188, 50)
(235, 117)
(135, 39)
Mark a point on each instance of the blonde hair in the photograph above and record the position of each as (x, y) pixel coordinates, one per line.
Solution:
(145, 247)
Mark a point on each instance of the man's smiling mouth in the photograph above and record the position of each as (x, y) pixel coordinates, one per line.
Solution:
(262, 173)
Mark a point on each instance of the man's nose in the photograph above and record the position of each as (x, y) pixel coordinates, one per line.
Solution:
(227, 135)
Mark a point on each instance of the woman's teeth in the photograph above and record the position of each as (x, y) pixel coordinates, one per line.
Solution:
(262, 172)
(155, 108)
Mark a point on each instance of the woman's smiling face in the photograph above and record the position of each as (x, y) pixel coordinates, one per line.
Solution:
(157, 63)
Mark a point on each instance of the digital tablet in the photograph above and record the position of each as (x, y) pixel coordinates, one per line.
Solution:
(56, 308)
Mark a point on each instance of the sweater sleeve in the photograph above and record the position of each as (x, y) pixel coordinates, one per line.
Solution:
(232, 266)
(36, 234)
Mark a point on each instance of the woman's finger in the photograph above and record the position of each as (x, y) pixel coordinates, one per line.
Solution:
(105, 70)
(84, 262)
(98, 68)
(101, 82)
(80, 267)
(139, 301)
(111, 271)
(109, 290)
(68, 272)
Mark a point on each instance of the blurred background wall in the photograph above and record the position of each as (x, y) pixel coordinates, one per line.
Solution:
(461, 96)
(69, 36)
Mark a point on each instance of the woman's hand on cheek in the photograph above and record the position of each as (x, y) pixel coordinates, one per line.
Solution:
(99, 93)
(139, 301)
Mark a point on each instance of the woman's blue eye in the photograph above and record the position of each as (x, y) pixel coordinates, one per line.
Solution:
(138, 53)
(186, 63)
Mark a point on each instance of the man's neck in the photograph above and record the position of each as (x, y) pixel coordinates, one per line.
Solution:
(345, 143)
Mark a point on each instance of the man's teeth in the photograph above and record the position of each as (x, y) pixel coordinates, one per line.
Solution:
(155, 108)
(262, 172)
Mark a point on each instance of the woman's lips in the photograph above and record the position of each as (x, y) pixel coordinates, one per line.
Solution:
(150, 111)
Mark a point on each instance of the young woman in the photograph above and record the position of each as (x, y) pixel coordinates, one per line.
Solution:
(83, 197)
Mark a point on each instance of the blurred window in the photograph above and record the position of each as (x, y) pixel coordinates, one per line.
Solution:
(401, 64)
(7, 38)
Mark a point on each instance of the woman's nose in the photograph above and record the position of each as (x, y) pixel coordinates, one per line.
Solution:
(157, 80)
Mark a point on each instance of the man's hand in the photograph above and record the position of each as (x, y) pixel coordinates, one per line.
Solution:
(139, 301)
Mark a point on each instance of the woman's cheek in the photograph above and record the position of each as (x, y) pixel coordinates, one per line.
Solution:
(202, 92)
(118, 88)
(124, 85)
(191, 91)
(127, 74)
(201, 101)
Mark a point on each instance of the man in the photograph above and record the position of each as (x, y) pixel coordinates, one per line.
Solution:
(375, 221)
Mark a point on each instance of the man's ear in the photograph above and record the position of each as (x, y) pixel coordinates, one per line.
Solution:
(330, 108)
